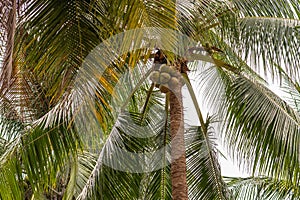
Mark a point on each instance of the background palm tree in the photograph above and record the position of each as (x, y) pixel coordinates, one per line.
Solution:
(46, 152)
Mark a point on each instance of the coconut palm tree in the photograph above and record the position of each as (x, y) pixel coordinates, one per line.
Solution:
(81, 119)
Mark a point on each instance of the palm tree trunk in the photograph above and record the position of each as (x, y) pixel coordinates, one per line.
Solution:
(178, 165)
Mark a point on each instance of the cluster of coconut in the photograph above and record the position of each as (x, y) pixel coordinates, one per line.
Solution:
(167, 78)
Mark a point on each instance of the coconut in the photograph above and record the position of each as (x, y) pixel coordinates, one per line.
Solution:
(172, 71)
(164, 77)
(156, 66)
(164, 88)
(166, 69)
(163, 67)
(154, 76)
(181, 80)
(173, 68)
(174, 82)
(175, 73)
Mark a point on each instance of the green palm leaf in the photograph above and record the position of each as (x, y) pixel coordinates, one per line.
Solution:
(11, 184)
(262, 188)
(204, 173)
(268, 129)
(124, 154)
(272, 8)
(80, 170)
(271, 40)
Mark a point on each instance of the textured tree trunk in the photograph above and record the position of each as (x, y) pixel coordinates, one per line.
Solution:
(178, 165)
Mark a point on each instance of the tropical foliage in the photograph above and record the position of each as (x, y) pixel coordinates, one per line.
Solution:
(80, 119)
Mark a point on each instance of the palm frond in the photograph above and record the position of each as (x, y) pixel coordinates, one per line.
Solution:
(262, 188)
(10, 131)
(268, 36)
(32, 158)
(44, 153)
(263, 129)
(54, 41)
(11, 184)
(268, 42)
(81, 168)
(291, 93)
(8, 29)
(202, 163)
(213, 15)
(127, 151)
(272, 8)
(23, 99)
(204, 173)
(133, 146)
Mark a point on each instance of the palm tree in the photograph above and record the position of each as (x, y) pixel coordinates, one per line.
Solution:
(69, 63)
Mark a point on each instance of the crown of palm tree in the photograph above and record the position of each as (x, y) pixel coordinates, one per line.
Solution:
(70, 107)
